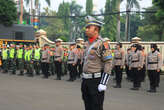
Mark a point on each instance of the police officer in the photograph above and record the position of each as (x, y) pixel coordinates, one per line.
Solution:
(79, 61)
(143, 70)
(127, 59)
(65, 58)
(51, 68)
(98, 58)
(29, 61)
(36, 58)
(58, 58)
(154, 64)
(45, 60)
(12, 58)
(72, 61)
(5, 56)
(118, 63)
(20, 54)
(136, 64)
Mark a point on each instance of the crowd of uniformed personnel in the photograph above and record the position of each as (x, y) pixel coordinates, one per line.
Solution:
(50, 60)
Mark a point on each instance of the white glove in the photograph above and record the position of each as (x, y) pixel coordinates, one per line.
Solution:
(102, 87)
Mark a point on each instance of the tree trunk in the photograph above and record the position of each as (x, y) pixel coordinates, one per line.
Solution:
(118, 23)
(21, 12)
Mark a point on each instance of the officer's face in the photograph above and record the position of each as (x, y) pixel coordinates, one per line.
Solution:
(91, 31)
(117, 46)
(134, 48)
(57, 43)
(152, 49)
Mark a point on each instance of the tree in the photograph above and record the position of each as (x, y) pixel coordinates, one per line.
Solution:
(77, 23)
(153, 27)
(130, 4)
(8, 12)
(110, 26)
(64, 11)
(36, 3)
(118, 3)
(89, 7)
(54, 26)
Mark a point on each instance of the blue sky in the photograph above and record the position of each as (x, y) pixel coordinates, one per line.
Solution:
(99, 4)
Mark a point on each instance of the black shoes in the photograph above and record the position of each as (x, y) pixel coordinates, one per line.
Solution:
(117, 86)
(134, 88)
(152, 91)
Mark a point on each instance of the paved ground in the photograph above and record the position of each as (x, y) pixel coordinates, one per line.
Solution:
(24, 93)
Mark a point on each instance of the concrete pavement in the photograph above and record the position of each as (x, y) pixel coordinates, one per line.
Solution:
(25, 93)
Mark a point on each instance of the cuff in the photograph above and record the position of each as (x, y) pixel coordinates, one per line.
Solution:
(104, 79)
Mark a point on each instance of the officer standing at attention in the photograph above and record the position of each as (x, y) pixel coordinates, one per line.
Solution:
(20, 54)
(135, 65)
(118, 63)
(58, 58)
(12, 56)
(51, 68)
(98, 58)
(29, 61)
(154, 64)
(5, 56)
(72, 61)
(37, 56)
(79, 61)
(45, 61)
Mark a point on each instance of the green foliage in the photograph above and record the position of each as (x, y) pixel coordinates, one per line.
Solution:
(53, 26)
(89, 7)
(63, 27)
(110, 26)
(64, 10)
(8, 12)
(153, 28)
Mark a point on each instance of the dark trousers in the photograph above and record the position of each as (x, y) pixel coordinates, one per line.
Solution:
(153, 77)
(45, 68)
(136, 77)
(158, 78)
(127, 72)
(37, 67)
(142, 73)
(58, 67)
(79, 67)
(118, 72)
(93, 99)
(72, 71)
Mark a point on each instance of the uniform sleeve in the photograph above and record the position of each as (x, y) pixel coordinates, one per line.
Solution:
(106, 58)
(48, 56)
(140, 59)
(123, 58)
(130, 60)
(61, 53)
(159, 61)
(75, 57)
(146, 63)
(82, 56)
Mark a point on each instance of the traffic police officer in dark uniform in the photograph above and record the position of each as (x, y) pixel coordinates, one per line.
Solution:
(98, 58)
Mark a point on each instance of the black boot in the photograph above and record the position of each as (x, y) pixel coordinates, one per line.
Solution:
(117, 86)
(134, 88)
(152, 90)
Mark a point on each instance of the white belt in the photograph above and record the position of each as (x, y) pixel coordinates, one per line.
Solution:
(91, 75)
